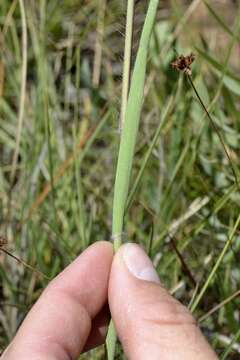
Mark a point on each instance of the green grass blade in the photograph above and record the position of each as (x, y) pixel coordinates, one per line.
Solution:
(23, 90)
(128, 138)
(111, 341)
(216, 64)
(127, 60)
(217, 264)
(127, 144)
(230, 346)
(220, 20)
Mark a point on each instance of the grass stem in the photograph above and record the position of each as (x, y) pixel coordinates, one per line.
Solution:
(127, 60)
(127, 144)
(215, 128)
(217, 264)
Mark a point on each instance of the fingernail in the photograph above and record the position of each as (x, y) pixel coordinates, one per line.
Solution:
(139, 264)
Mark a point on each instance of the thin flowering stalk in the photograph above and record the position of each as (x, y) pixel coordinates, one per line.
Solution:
(183, 63)
(215, 128)
(3, 242)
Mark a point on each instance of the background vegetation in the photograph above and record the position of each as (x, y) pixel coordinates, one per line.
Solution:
(60, 91)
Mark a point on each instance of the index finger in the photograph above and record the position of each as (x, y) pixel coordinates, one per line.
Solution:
(59, 323)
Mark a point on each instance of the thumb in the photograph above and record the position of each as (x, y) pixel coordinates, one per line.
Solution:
(149, 321)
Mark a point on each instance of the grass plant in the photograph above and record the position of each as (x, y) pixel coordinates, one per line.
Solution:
(61, 81)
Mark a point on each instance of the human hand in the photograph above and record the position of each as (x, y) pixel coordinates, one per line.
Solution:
(71, 315)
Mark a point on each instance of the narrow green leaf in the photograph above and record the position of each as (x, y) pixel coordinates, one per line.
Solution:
(215, 63)
(127, 144)
(216, 266)
(220, 20)
(129, 133)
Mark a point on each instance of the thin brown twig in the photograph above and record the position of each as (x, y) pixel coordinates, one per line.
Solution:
(182, 261)
(20, 261)
(3, 242)
(219, 306)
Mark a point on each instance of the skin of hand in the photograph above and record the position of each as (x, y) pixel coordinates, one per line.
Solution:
(71, 315)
